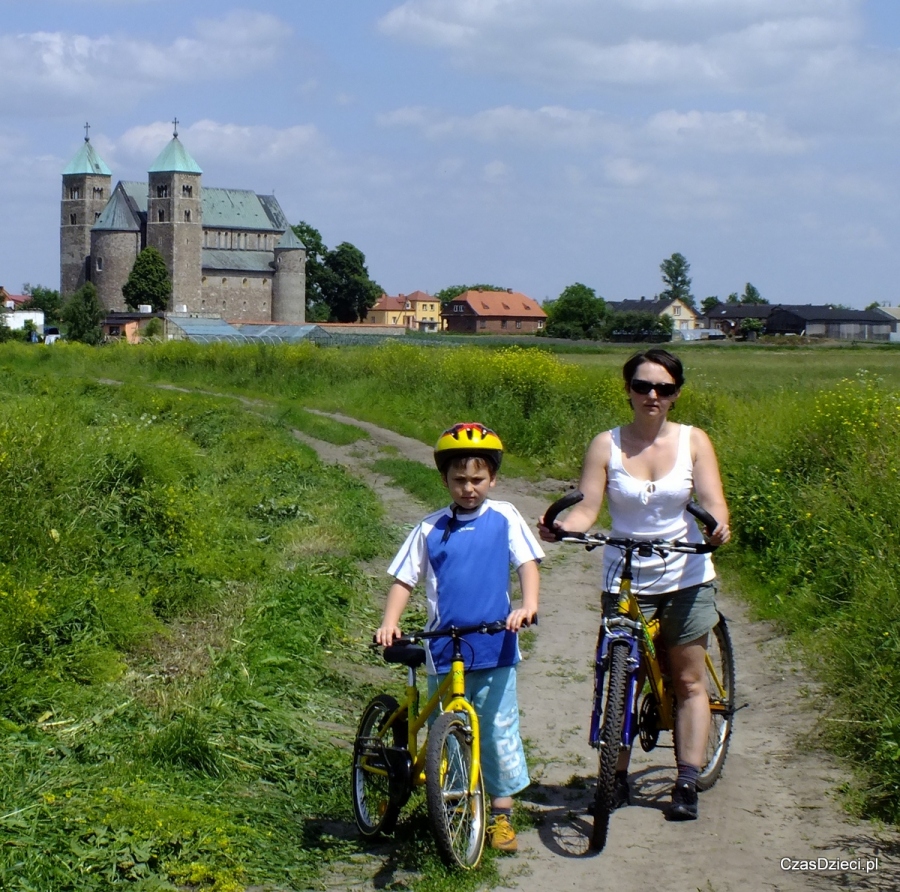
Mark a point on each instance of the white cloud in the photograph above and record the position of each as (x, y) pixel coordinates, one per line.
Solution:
(728, 132)
(671, 44)
(212, 143)
(48, 70)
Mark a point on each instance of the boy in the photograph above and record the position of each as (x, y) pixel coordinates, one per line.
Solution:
(462, 554)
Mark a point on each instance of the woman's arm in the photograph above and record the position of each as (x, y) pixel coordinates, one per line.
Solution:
(592, 485)
(708, 485)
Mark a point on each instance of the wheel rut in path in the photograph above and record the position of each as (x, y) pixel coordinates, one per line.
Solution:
(774, 804)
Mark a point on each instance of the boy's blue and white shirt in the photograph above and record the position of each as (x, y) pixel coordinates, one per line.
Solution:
(466, 576)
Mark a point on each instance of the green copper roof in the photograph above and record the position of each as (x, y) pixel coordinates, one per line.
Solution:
(118, 216)
(239, 209)
(289, 241)
(174, 158)
(87, 161)
(216, 259)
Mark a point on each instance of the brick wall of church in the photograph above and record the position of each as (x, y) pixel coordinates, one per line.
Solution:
(241, 297)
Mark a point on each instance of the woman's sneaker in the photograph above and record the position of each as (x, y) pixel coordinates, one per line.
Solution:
(501, 834)
(684, 803)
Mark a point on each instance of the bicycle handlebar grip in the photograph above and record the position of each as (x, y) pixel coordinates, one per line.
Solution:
(560, 505)
(703, 516)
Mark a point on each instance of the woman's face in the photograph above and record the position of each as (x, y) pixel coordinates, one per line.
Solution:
(652, 378)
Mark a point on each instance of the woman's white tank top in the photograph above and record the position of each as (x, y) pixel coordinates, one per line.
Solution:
(654, 509)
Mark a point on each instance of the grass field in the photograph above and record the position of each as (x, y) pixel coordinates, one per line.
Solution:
(182, 597)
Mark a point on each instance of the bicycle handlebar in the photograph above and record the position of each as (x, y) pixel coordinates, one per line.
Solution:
(452, 632)
(595, 539)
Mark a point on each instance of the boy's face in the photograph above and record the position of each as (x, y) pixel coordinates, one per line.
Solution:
(469, 482)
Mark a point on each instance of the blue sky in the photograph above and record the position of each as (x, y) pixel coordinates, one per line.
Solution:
(524, 143)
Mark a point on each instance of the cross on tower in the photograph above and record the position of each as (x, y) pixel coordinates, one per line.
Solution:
(87, 127)
(175, 125)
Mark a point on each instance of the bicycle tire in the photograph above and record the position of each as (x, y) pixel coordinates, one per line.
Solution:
(721, 654)
(457, 819)
(605, 800)
(374, 788)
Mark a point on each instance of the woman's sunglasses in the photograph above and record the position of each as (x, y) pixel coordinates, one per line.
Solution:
(662, 390)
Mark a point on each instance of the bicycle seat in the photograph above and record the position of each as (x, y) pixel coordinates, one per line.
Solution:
(409, 654)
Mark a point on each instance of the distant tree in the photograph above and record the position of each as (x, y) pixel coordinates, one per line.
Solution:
(874, 305)
(752, 296)
(346, 286)
(148, 282)
(734, 298)
(637, 326)
(317, 310)
(153, 329)
(752, 326)
(83, 315)
(678, 283)
(445, 295)
(577, 313)
(708, 303)
(6, 333)
(46, 299)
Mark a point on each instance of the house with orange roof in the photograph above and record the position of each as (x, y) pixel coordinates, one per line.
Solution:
(419, 311)
(497, 312)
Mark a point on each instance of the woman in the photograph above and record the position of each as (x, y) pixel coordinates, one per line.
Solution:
(649, 469)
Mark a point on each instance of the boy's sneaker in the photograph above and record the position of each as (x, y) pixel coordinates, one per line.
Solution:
(684, 803)
(501, 834)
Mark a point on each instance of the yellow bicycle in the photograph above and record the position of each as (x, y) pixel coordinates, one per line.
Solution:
(630, 665)
(388, 761)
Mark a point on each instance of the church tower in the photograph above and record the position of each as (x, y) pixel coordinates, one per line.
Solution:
(289, 288)
(174, 220)
(86, 185)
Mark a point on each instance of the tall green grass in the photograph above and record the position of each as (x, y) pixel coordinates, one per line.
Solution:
(806, 440)
(177, 579)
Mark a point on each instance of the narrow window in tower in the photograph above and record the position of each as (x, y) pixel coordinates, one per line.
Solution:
(244, 282)
(72, 219)
(75, 192)
(99, 264)
(162, 191)
(187, 216)
(96, 215)
(187, 191)
(162, 216)
(98, 192)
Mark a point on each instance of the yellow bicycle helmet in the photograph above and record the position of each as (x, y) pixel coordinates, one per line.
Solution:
(468, 440)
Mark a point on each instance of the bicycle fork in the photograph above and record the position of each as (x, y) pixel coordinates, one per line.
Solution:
(458, 703)
(618, 632)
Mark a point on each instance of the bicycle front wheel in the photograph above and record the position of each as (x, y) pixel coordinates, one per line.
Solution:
(605, 800)
(457, 816)
(374, 788)
(720, 686)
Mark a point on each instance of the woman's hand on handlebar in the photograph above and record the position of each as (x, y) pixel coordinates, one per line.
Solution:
(720, 535)
(550, 534)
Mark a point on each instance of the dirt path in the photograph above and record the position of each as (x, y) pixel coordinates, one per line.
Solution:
(774, 803)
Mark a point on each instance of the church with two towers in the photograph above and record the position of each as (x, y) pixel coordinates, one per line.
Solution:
(230, 253)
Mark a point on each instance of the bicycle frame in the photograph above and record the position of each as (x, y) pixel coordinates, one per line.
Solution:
(630, 626)
(450, 696)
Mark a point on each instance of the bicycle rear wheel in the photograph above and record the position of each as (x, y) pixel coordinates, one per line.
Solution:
(605, 800)
(721, 703)
(377, 797)
(457, 817)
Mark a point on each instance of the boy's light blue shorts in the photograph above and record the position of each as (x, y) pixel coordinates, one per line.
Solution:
(493, 694)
